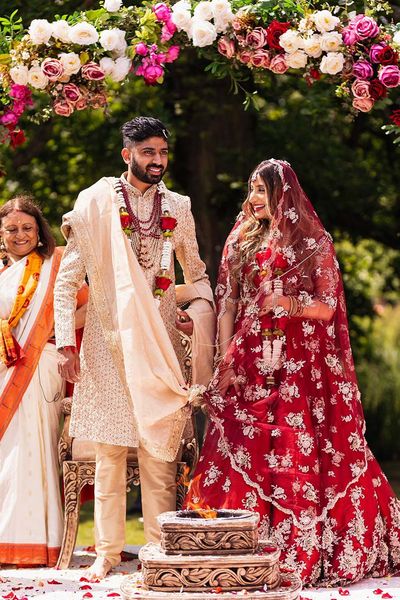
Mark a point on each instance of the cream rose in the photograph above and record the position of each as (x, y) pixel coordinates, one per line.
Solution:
(19, 74)
(83, 34)
(70, 61)
(61, 31)
(110, 39)
(325, 21)
(121, 69)
(40, 31)
(296, 60)
(396, 38)
(332, 63)
(291, 41)
(203, 11)
(312, 46)
(203, 33)
(181, 16)
(112, 5)
(107, 65)
(331, 41)
(37, 79)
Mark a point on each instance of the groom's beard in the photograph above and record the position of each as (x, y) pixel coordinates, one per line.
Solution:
(143, 174)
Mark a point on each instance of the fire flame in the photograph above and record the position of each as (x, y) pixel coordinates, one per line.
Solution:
(205, 512)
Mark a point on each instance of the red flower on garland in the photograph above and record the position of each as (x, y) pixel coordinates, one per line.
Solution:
(126, 221)
(280, 262)
(168, 225)
(162, 284)
(274, 32)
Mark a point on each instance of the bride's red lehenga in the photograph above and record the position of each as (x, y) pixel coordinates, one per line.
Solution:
(295, 451)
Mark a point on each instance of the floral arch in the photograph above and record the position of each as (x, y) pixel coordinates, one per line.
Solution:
(72, 61)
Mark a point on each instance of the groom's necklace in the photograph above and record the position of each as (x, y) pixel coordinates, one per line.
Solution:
(145, 233)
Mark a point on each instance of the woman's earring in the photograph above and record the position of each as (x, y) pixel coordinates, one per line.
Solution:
(3, 254)
(40, 243)
(2, 246)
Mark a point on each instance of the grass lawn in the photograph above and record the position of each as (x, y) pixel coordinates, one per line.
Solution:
(134, 528)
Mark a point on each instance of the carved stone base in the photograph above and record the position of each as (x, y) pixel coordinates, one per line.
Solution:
(131, 589)
(162, 572)
(232, 532)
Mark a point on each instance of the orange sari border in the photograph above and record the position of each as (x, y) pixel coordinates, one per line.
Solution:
(18, 383)
(28, 554)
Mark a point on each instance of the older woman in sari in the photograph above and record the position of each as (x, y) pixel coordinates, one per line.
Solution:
(30, 388)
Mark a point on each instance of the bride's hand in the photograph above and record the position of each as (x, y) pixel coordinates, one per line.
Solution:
(267, 305)
(227, 377)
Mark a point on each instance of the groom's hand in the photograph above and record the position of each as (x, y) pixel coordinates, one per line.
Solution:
(183, 322)
(69, 364)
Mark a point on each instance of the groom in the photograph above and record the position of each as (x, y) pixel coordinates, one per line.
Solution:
(129, 389)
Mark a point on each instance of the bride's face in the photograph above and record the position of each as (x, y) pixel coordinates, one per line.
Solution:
(258, 198)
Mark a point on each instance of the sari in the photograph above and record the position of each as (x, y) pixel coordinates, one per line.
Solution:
(31, 522)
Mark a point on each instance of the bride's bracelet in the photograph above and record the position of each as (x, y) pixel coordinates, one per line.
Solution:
(296, 309)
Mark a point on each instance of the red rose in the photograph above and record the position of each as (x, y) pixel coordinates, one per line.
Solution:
(125, 219)
(17, 138)
(377, 89)
(387, 56)
(163, 282)
(395, 117)
(315, 74)
(168, 223)
(274, 32)
(266, 322)
(280, 261)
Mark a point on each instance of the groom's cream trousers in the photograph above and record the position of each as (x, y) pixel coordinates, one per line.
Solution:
(158, 489)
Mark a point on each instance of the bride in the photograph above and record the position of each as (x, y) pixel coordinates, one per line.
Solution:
(286, 432)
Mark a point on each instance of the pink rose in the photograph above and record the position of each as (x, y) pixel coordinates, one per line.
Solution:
(244, 56)
(151, 73)
(52, 68)
(261, 58)
(278, 64)
(362, 69)
(98, 100)
(363, 104)
(168, 30)
(366, 27)
(82, 103)
(389, 76)
(9, 118)
(141, 49)
(92, 72)
(374, 52)
(18, 107)
(361, 88)
(162, 11)
(226, 47)
(349, 36)
(256, 38)
(71, 92)
(237, 24)
(21, 92)
(172, 54)
(63, 108)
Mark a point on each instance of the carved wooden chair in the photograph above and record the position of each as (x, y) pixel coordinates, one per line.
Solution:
(77, 459)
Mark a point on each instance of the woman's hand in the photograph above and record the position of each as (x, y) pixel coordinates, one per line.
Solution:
(69, 364)
(270, 302)
(227, 377)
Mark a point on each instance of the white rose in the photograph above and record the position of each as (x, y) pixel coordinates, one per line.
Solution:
(181, 17)
(222, 23)
(203, 11)
(203, 33)
(121, 68)
(40, 31)
(84, 34)
(396, 38)
(70, 61)
(112, 5)
(221, 7)
(331, 41)
(107, 65)
(61, 30)
(110, 39)
(120, 49)
(19, 74)
(325, 21)
(305, 25)
(312, 46)
(332, 63)
(37, 79)
(291, 41)
(297, 59)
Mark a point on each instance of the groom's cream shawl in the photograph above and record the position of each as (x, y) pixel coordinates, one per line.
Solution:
(131, 323)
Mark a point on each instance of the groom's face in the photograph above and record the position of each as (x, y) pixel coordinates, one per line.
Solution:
(148, 159)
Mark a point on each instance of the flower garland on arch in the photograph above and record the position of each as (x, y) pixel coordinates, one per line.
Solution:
(168, 224)
(74, 59)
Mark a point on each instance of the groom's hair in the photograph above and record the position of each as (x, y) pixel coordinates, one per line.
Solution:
(142, 128)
